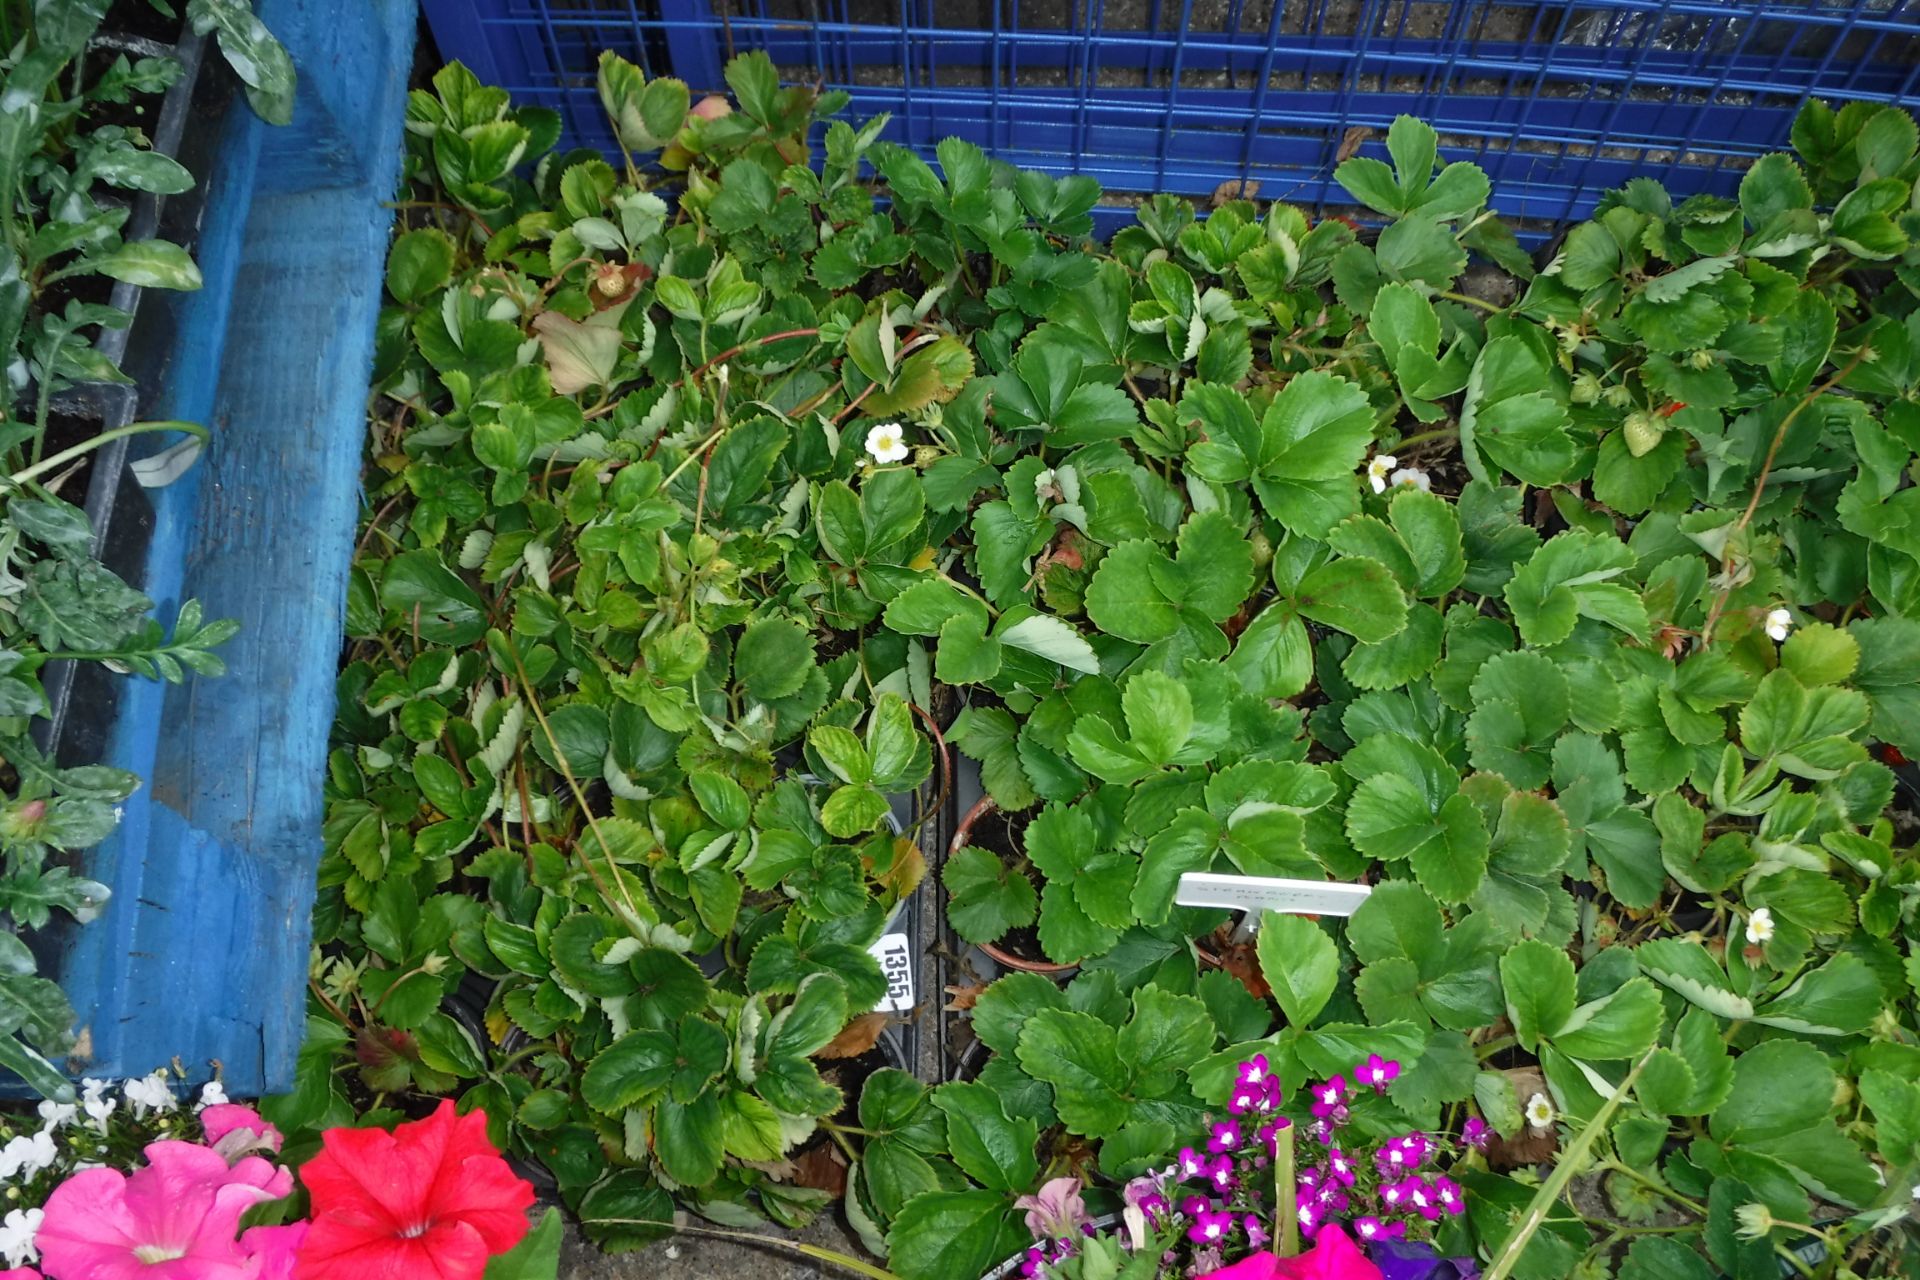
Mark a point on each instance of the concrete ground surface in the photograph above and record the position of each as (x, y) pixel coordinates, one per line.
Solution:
(689, 1258)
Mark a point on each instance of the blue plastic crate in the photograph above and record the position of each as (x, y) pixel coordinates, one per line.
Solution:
(1558, 102)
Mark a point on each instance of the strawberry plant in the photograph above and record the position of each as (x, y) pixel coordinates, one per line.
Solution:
(713, 493)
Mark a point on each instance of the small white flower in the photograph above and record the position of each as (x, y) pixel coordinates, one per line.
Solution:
(887, 442)
(1779, 623)
(1754, 1221)
(1377, 471)
(1412, 477)
(212, 1094)
(149, 1093)
(1539, 1111)
(98, 1110)
(17, 1231)
(1916, 1192)
(25, 1156)
(56, 1115)
(1760, 927)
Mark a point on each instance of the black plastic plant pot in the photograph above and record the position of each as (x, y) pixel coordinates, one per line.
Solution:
(1002, 958)
(200, 956)
(81, 699)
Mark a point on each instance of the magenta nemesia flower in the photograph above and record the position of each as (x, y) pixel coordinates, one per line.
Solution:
(1147, 1194)
(1056, 1210)
(1377, 1071)
(1190, 1164)
(1474, 1133)
(1226, 1137)
(1257, 1236)
(1450, 1195)
(176, 1218)
(1269, 1133)
(1424, 1197)
(1402, 1155)
(1329, 1096)
(1210, 1227)
(1341, 1168)
(1220, 1173)
(1255, 1070)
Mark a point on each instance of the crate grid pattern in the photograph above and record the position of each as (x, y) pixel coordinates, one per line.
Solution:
(1559, 102)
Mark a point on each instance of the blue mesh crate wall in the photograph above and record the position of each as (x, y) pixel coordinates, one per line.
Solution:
(1559, 102)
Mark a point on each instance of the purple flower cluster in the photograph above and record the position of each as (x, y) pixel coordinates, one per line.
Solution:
(1382, 1200)
(1213, 1201)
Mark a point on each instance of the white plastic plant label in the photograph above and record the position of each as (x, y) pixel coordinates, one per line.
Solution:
(895, 955)
(1269, 893)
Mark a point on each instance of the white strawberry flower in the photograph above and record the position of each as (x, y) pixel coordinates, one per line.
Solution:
(1779, 623)
(1539, 1111)
(887, 442)
(1413, 478)
(1377, 471)
(1760, 927)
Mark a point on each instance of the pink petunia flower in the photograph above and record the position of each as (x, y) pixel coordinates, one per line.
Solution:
(274, 1250)
(175, 1218)
(1333, 1257)
(235, 1131)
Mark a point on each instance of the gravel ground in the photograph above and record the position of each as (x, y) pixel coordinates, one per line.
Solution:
(687, 1258)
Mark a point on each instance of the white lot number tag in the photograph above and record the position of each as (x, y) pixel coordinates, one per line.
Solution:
(1269, 893)
(896, 961)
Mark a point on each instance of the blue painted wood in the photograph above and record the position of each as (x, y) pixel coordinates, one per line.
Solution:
(202, 954)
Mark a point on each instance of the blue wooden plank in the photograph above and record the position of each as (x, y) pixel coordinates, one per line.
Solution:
(202, 954)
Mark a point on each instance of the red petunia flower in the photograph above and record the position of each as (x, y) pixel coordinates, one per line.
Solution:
(432, 1200)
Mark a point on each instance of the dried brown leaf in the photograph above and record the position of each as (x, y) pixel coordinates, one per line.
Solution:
(1350, 142)
(856, 1038)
